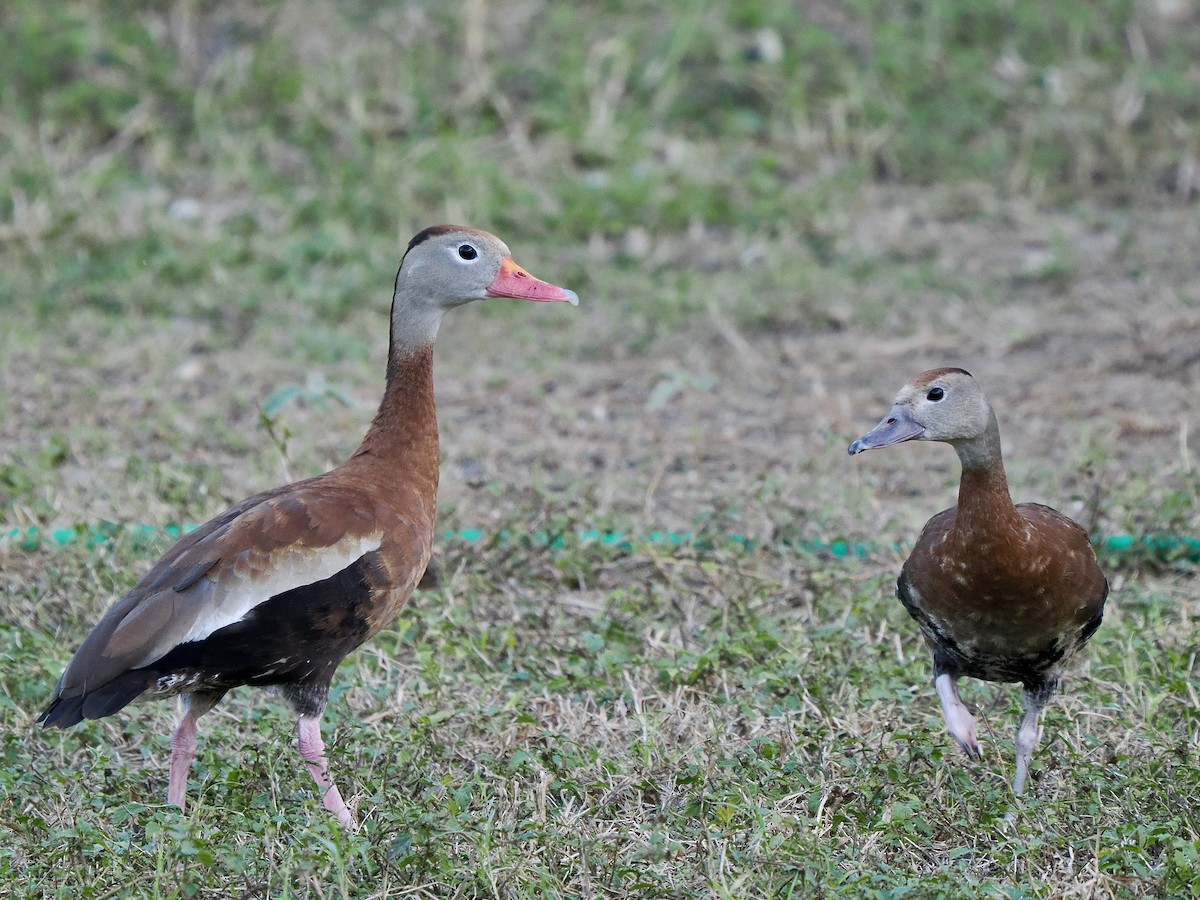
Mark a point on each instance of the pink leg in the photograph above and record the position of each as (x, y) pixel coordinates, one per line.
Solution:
(958, 718)
(1026, 744)
(312, 748)
(183, 745)
(1027, 738)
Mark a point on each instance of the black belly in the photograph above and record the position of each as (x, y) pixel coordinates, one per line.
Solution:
(298, 636)
(294, 641)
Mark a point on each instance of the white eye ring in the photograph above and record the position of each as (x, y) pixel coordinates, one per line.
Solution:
(467, 252)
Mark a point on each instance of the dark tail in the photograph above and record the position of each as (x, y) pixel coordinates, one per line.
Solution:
(63, 712)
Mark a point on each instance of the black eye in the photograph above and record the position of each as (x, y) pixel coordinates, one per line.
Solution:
(935, 395)
(466, 251)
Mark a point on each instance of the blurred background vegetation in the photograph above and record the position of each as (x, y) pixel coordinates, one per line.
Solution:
(291, 146)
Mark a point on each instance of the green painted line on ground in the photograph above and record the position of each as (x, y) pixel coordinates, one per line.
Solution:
(1168, 548)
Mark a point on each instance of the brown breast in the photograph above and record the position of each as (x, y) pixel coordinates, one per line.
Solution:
(1009, 588)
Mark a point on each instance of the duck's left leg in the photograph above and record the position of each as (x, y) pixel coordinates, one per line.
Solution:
(1036, 697)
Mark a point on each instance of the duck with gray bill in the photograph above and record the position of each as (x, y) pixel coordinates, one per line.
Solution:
(1001, 592)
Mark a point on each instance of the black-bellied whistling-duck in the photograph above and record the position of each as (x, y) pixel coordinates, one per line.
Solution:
(277, 590)
(1001, 592)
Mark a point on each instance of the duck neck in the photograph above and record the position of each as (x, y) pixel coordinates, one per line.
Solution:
(402, 439)
(984, 503)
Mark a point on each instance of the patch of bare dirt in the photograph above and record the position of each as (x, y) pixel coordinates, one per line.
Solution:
(1091, 353)
(1084, 329)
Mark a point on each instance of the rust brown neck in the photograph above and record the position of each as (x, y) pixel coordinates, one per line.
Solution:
(403, 437)
(985, 507)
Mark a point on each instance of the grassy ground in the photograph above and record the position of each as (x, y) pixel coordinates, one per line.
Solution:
(775, 213)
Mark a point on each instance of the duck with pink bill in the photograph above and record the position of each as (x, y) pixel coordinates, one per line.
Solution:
(277, 590)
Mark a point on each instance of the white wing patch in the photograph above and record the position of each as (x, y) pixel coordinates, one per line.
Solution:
(239, 587)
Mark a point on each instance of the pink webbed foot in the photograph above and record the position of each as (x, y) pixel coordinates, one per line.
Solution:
(183, 745)
(959, 720)
(312, 748)
(1027, 735)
